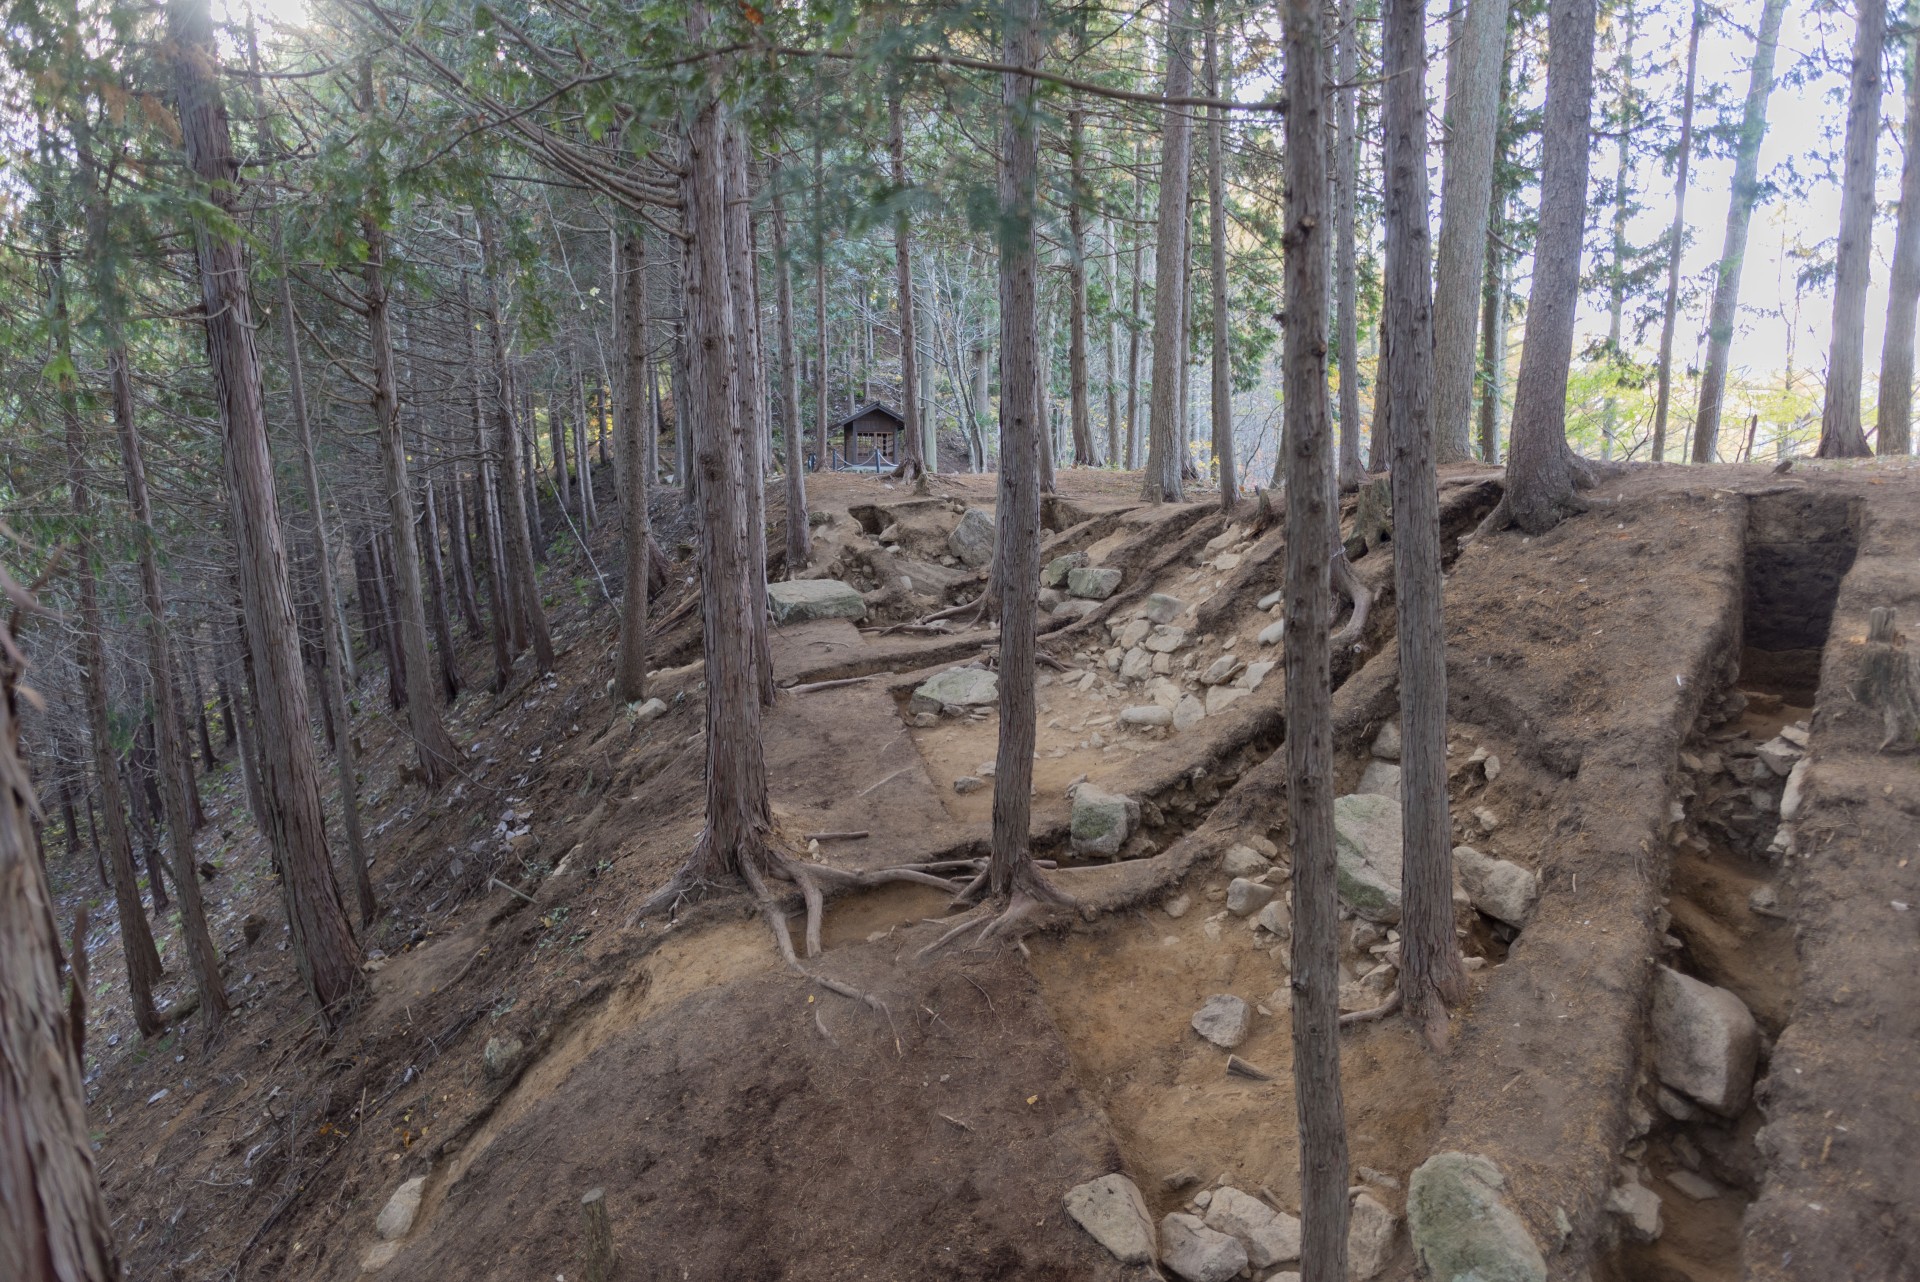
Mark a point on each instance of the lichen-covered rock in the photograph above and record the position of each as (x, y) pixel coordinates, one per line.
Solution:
(972, 539)
(957, 688)
(1094, 583)
(1054, 573)
(1366, 837)
(803, 600)
(1380, 779)
(1161, 608)
(1463, 1231)
(1102, 821)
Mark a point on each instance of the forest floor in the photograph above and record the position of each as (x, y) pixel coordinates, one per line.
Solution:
(522, 1041)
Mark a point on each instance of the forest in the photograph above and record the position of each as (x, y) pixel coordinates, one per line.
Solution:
(997, 640)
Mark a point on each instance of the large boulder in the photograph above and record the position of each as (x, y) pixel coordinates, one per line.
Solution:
(1093, 582)
(1705, 1042)
(1197, 1253)
(957, 688)
(1463, 1231)
(1366, 838)
(1102, 821)
(1381, 779)
(1054, 573)
(1496, 887)
(803, 600)
(972, 539)
(1112, 1210)
(1271, 1237)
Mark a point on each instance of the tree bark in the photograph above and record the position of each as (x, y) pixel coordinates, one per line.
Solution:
(799, 532)
(1676, 238)
(632, 283)
(1895, 429)
(1542, 471)
(1346, 267)
(1493, 348)
(53, 1220)
(1165, 432)
(1466, 197)
(1078, 392)
(913, 455)
(1841, 435)
(1220, 402)
(822, 450)
(1619, 251)
(1311, 517)
(751, 389)
(1745, 196)
(323, 945)
(436, 591)
(517, 534)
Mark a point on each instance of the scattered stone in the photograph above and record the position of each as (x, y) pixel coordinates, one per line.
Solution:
(1163, 665)
(1269, 1236)
(1380, 779)
(1795, 792)
(1639, 1210)
(1487, 820)
(1765, 901)
(1188, 713)
(396, 1217)
(1221, 670)
(1220, 698)
(1165, 640)
(379, 1256)
(1271, 634)
(1050, 598)
(1693, 1185)
(803, 600)
(1180, 1180)
(972, 539)
(1779, 756)
(1244, 861)
(1134, 633)
(1197, 1253)
(1178, 906)
(1270, 600)
(1370, 1232)
(1054, 574)
(1677, 1106)
(1073, 608)
(1136, 666)
(957, 688)
(1113, 658)
(1705, 1042)
(502, 1056)
(1463, 1229)
(1223, 1020)
(1102, 821)
(1496, 887)
(966, 784)
(1161, 608)
(651, 710)
(1261, 843)
(1095, 583)
(1112, 1210)
(1276, 919)
(1227, 561)
(1366, 831)
(1795, 734)
(1256, 673)
(1386, 744)
(1491, 767)
(1245, 898)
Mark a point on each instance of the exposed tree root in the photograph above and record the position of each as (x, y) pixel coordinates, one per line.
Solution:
(1368, 1016)
(1349, 583)
(1031, 894)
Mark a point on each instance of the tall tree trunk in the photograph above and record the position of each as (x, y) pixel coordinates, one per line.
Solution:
(1466, 196)
(136, 939)
(232, 679)
(518, 533)
(1311, 517)
(1220, 402)
(1840, 432)
(1542, 471)
(323, 944)
(389, 624)
(1895, 434)
(1078, 391)
(200, 703)
(1346, 266)
(631, 279)
(449, 669)
(1165, 432)
(346, 767)
(501, 611)
(822, 448)
(751, 390)
(1493, 348)
(466, 591)
(1622, 209)
(1114, 432)
(1676, 238)
(799, 533)
(1133, 332)
(913, 455)
(1431, 977)
(557, 441)
(53, 1220)
(1740, 205)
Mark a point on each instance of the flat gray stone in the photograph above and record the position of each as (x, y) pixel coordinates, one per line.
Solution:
(651, 710)
(1112, 1210)
(1102, 821)
(1463, 1230)
(1095, 583)
(1366, 837)
(1695, 1186)
(1223, 1020)
(1256, 673)
(1165, 640)
(957, 688)
(1245, 897)
(1273, 632)
(1386, 744)
(968, 784)
(1639, 1210)
(1222, 670)
(1370, 1232)
(1244, 861)
(1270, 1237)
(1146, 714)
(1197, 1253)
(396, 1217)
(1276, 919)
(1054, 573)
(1133, 633)
(1074, 608)
(1136, 666)
(1188, 713)
(1705, 1042)
(972, 539)
(803, 600)
(1161, 608)
(1270, 600)
(1220, 698)
(1380, 779)
(1497, 887)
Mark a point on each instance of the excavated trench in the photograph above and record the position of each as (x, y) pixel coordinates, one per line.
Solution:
(1726, 922)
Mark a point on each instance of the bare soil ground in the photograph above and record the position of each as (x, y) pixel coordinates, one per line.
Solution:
(746, 1123)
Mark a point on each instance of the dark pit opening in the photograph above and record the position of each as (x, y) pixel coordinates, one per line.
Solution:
(1799, 547)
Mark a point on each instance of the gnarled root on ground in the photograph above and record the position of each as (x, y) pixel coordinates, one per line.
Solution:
(1346, 581)
(1029, 896)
